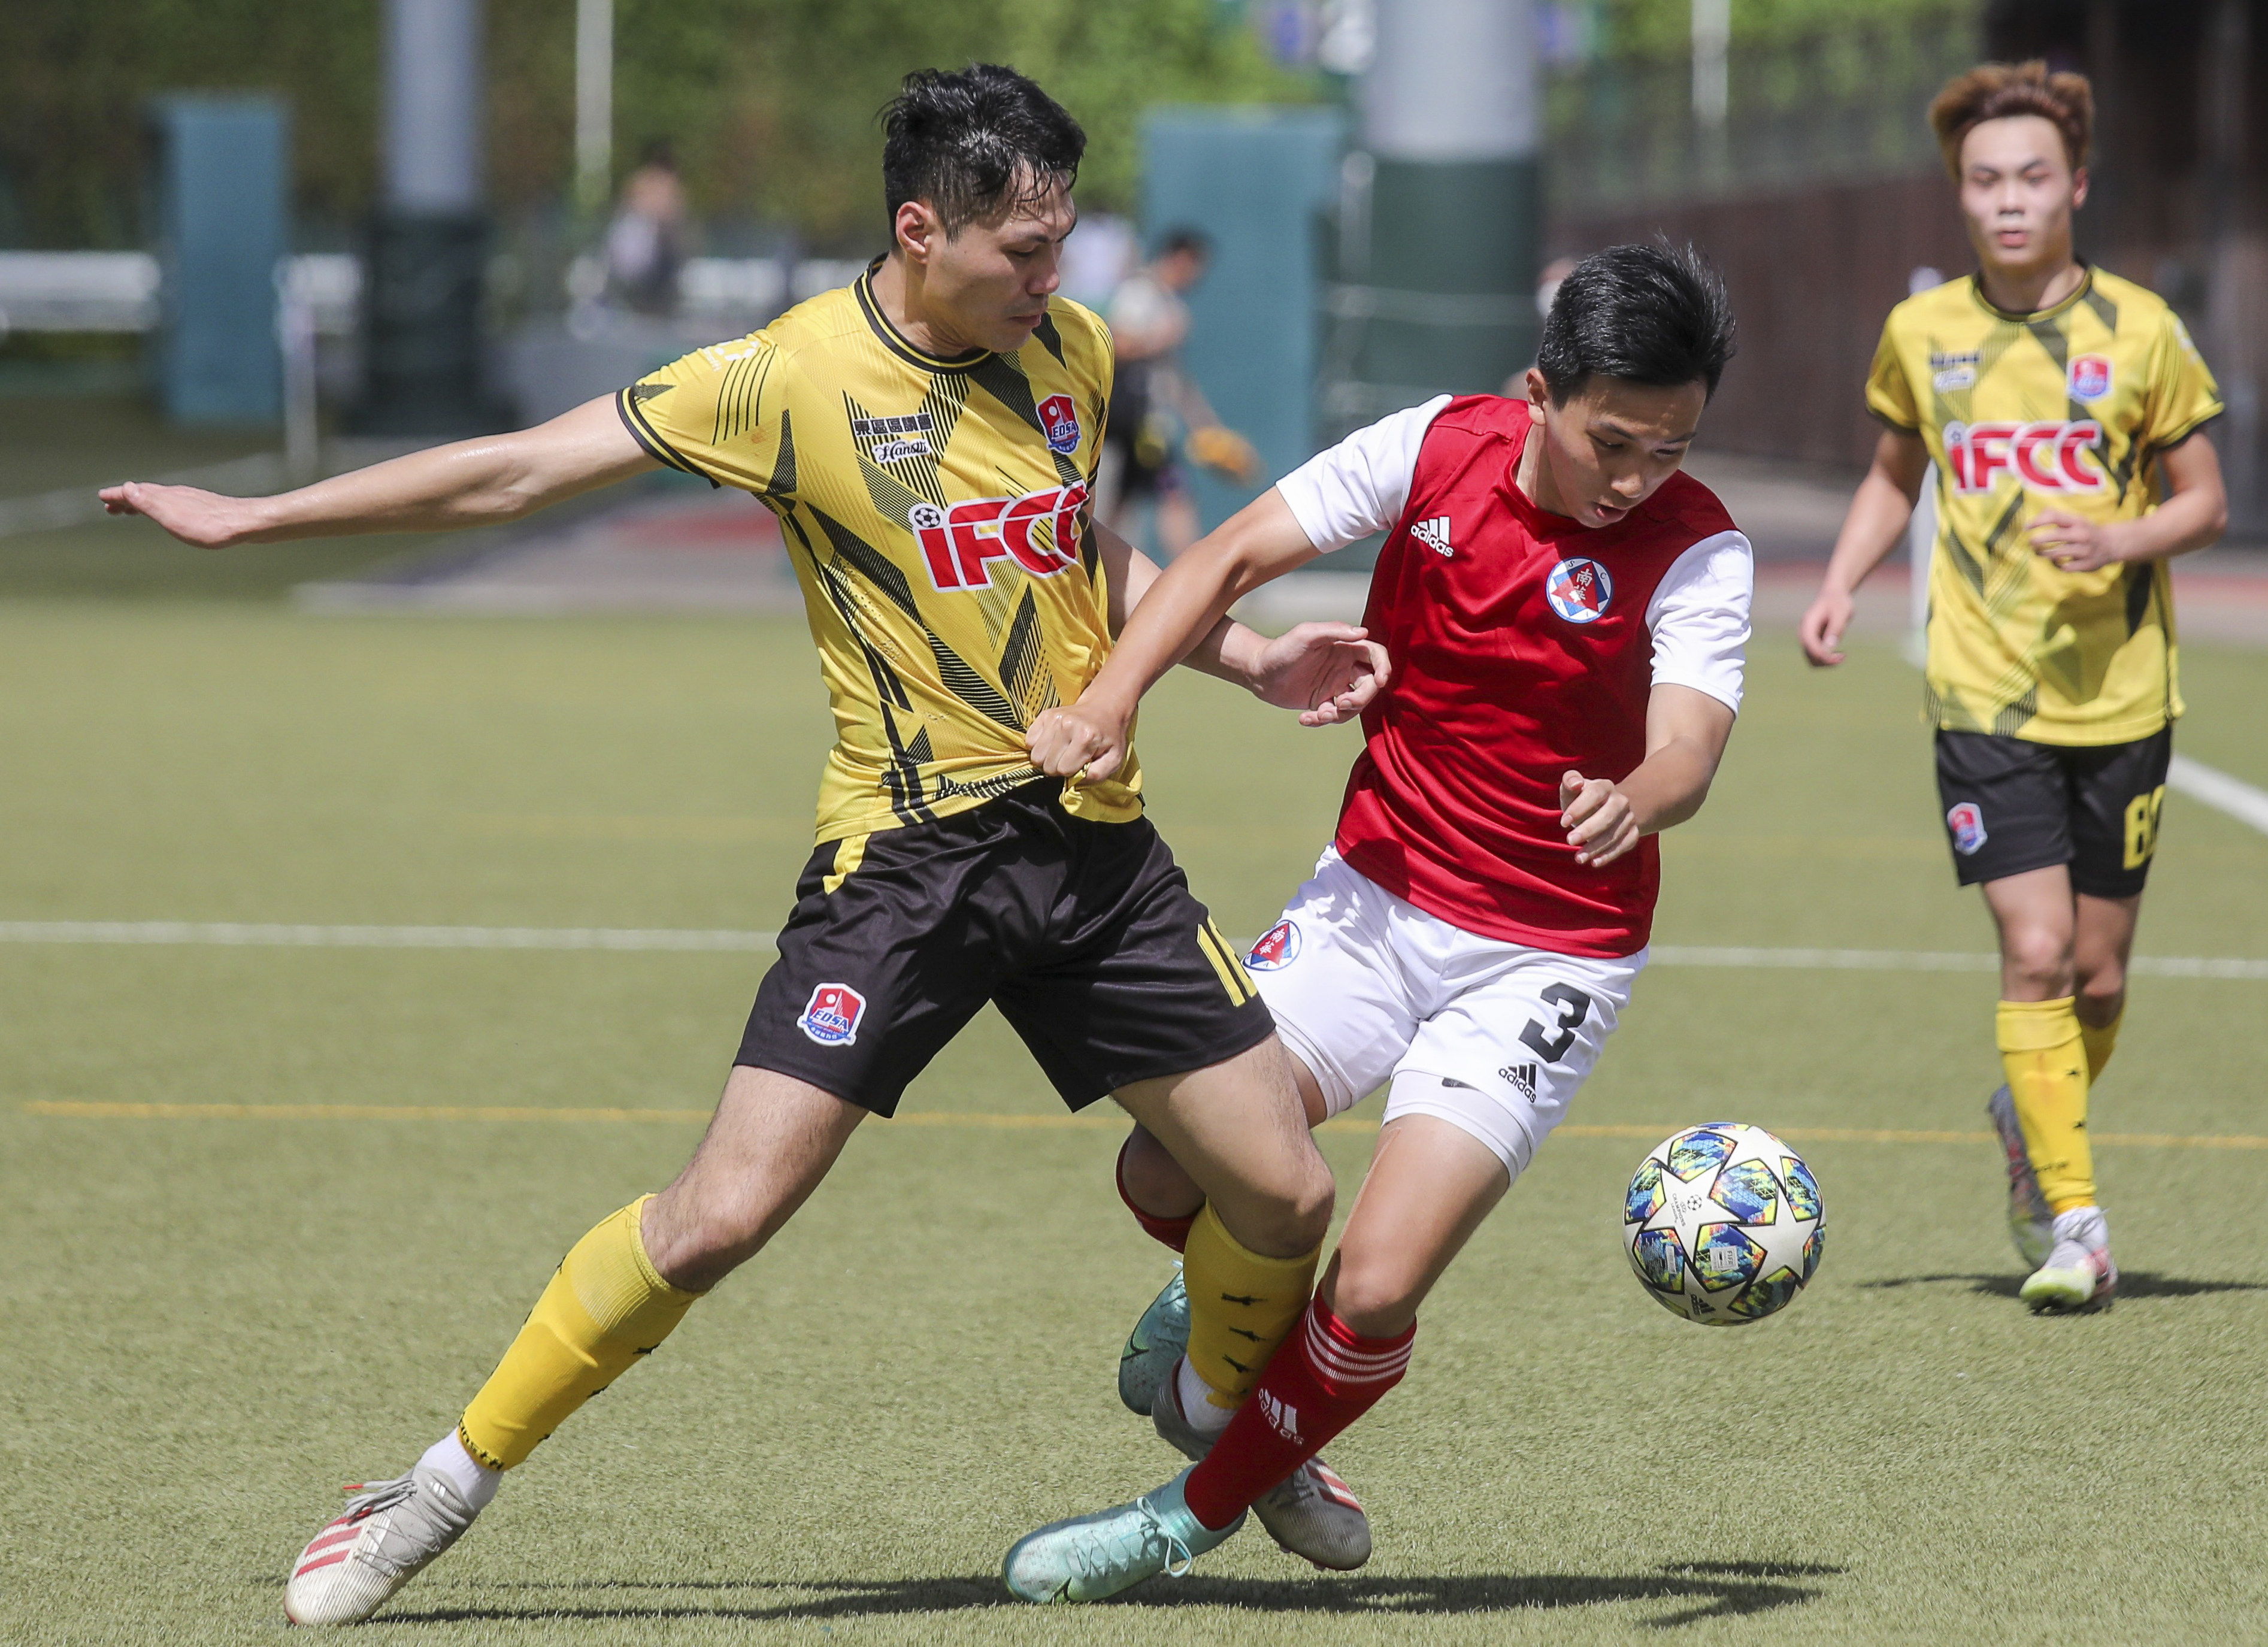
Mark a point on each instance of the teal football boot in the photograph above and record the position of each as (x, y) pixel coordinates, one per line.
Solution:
(1090, 1557)
(1154, 1347)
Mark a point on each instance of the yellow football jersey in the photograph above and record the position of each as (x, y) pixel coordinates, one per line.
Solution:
(2067, 408)
(937, 513)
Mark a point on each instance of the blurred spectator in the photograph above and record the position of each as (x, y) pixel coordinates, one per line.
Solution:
(1097, 258)
(1155, 408)
(645, 242)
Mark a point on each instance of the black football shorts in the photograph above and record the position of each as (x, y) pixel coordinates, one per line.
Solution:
(1084, 934)
(2012, 805)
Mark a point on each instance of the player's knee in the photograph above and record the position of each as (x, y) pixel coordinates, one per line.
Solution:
(695, 1241)
(1153, 1181)
(2039, 957)
(2102, 994)
(1290, 1215)
(1377, 1293)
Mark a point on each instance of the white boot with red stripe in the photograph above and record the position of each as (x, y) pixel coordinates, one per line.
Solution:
(1311, 1513)
(390, 1532)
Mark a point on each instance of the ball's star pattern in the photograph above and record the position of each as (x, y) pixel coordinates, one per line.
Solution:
(1750, 1192)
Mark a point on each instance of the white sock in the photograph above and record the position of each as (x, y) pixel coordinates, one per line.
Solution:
(1206, 1418)
(2085, 1226)
(468, 1475)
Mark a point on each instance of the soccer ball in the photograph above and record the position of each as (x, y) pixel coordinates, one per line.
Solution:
(1723, 1224)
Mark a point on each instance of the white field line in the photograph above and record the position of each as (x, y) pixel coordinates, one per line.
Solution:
(2218, 790)
(237, 934)
(1933, 960)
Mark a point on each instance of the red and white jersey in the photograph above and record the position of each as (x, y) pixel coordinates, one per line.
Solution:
(1524, 645)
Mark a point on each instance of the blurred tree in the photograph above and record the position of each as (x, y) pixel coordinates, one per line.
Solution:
(771, 102)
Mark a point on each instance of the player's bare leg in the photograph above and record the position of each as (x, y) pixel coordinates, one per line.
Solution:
(1430, 1185)
(1311, 1512)
(1240, 1134)
(616, 1295)
(2043, 1050)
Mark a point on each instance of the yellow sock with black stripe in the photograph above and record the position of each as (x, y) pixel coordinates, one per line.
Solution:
(2100, 1041)
(1241, 1305)
(2043, 1051)
(606, 1306)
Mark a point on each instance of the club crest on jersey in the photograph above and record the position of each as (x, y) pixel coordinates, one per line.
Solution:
(1038, 530)
(1579, 590)
(1060, 419)
(2089, 378)
(1278, 948)
(1967, 823)
(832, 1017)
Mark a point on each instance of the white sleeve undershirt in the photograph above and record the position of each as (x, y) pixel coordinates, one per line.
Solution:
(1699, 612)
(1360, 486)
(1699, 617)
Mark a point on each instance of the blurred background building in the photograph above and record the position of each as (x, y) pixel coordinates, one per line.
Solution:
(491, 209)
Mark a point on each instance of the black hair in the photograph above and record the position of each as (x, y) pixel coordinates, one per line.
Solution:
(1182, 238)
(974, 143)
(1650, 314)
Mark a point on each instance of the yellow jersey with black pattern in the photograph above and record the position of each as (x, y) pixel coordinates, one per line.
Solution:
(2065, 408)
(937, 512)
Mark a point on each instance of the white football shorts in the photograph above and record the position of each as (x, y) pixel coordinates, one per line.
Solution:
(1493, 1038)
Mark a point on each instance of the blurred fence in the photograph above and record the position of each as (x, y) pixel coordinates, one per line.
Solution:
(1838, 106)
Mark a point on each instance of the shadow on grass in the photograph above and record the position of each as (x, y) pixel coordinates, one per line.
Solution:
(1711, 1589)
(2132, 1283)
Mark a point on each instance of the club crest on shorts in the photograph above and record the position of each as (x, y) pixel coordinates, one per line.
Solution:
(1579, 590)
(1968, 826)
(1278, 948)
(2089, 378)
(1059, 418)
(832, 1017)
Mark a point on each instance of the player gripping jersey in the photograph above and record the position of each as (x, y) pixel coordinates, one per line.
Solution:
(1567, 614)
(927, 440)
(2061, 407)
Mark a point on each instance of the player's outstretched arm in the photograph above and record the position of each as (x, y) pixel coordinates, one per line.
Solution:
(469, 483)
(1876, 521)
(1685, 734)
(1328, 672)
(2192, 517)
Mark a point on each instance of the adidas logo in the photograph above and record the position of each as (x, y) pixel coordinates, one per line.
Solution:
(1434, 534)
(1521, 1075)
(1283, 1419)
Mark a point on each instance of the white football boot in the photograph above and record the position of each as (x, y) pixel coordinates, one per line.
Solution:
(1311, 1513)
(389, 1532)
(2079, 1273)
(2031, 1224)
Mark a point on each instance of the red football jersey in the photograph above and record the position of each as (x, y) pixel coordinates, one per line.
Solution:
(1522, 650)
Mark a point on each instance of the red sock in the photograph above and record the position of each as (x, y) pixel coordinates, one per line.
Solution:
(1324, 1377)
(1174, 1232)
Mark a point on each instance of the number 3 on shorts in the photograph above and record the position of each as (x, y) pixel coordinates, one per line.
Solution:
(1574, 1006)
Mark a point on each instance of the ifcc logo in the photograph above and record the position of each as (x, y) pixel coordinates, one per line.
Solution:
(2043, 457)
(1060, 419)
(1579, 590)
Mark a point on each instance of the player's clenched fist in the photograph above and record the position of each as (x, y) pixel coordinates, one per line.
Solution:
(1597, 816)
(1079, 741)
(1823, 625)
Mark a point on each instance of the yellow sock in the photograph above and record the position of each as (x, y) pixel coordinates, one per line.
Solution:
(606, 1306)
(2041, 1050)
(1241, 1307)
(2099, 1044)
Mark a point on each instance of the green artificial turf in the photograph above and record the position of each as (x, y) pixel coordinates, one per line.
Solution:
(206, 1325)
